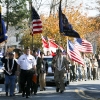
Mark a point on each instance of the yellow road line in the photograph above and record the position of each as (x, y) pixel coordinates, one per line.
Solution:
(83, 95)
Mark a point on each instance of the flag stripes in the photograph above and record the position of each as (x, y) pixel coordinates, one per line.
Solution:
(53, 46)
(36, 22)
(73, 53)
(45, 43)
(83, 45)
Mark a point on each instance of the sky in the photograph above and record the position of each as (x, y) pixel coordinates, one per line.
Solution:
(45, 8)
(85, 3)
(90, 4)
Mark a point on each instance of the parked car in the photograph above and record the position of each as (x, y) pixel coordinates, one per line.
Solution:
(1, 70)
(50, 73)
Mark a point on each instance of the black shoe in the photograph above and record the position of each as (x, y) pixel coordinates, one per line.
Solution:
(31, 92)
(27, 96)
(61, 91)
(41, 90)
(44, 89)
(57, 89)
(12, 95)
(35, 94)
(23, 95)
(6, 93)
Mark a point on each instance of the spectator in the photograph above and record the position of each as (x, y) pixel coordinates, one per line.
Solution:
(86, 64)
(98, 60)
(94, 67)
(73, 71)
(79, 72)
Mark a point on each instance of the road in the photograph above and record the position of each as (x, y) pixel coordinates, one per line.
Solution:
(81, 90)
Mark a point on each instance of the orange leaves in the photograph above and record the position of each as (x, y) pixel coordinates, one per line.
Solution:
(50, 25)
(81, 23)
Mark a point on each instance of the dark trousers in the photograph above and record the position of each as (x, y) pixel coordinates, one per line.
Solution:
(34, 86)
(72, 73)
(19, 84)
(25, 80)
(94, 73)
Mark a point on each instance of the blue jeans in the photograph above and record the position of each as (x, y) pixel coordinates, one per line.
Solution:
(10, 83)
(79, 73)
(85, 73)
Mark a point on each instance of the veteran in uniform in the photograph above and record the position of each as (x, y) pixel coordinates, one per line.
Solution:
(59, 63)
(27, 64)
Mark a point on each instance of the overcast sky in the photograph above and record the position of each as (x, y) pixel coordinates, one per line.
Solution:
(85, 3)
(45, 8)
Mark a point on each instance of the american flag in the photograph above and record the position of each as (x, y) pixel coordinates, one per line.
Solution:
(83, 45)
(73, 53)
(36, 22)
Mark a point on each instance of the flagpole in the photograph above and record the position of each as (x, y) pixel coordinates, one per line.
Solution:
(67, 48)
(31, 23)
(32, 42)
(30, 19)
(59, 25)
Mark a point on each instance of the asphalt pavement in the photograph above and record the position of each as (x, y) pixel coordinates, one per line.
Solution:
(81, 90)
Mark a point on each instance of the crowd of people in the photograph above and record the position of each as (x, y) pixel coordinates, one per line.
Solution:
(90, 70)
(30, 71)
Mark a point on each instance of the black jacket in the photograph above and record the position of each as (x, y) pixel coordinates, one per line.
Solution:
(45, 66)
(4, 60)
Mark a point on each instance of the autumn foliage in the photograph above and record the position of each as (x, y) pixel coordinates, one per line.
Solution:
(81, 23)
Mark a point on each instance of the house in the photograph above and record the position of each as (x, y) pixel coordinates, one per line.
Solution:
(14, 37)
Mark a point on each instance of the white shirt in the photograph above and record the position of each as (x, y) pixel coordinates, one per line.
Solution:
(26, 62)
(59, 62)
(86, 62)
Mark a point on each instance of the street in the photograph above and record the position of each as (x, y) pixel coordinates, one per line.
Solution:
(81, 90)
